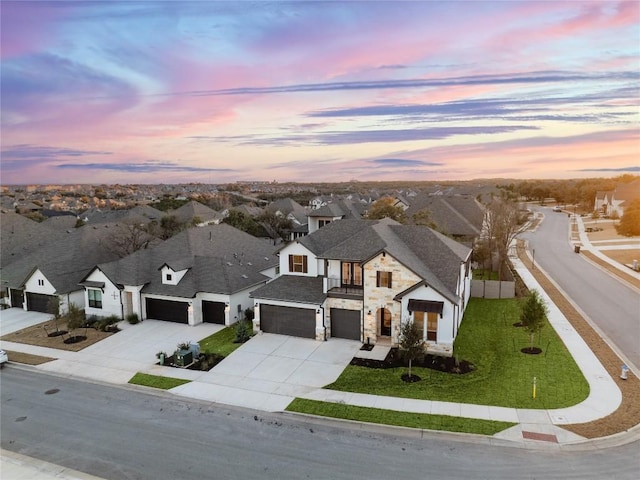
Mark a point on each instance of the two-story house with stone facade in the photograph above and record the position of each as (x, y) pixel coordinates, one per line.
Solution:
(359, 279)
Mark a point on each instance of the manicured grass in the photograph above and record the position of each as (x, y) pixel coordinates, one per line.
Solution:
(220, 342)
(155, 381)
(485, 275)
(503, 376)
(403, 419)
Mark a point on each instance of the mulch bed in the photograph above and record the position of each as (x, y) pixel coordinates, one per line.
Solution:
(39, 335)
(434, 362)
(628, 414)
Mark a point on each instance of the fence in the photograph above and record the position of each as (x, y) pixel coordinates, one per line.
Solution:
(493, 289)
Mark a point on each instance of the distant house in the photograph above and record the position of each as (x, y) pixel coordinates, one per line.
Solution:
(613, 202)
(333, 211)
(193, 210)
(459, 216)
(43, 264)
(203, 274)
(359, 279)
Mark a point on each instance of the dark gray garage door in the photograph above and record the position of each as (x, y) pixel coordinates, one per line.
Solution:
(17, 297)
(37, 302)
(213, 312)
(298, 322)
(345, 323)
(167, 310)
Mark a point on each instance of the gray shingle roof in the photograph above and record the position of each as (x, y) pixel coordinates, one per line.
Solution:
(220, 259)
(290, 288)
(65, 258)
(436, 258)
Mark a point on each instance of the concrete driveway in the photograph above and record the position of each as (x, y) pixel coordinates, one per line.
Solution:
(269, 371)
(14, 319)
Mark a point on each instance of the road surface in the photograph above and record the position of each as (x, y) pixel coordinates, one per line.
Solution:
(127, 433)
(611, 305)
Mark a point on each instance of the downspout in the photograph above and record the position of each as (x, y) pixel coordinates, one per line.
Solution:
(121, 305)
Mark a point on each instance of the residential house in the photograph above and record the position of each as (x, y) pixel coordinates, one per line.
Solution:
(359, 279)
(202, 274)
(196, 211)
(613, 202)
(42, 264)
(333, 211)
(459, 216)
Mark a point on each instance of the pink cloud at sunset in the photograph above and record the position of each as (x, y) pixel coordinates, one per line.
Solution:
(149, 92)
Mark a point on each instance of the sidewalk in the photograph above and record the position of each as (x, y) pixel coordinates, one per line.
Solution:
(604, 396)
(533, 424)
(14, 466)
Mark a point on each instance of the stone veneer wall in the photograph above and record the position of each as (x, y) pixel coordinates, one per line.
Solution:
(344, 303)
(377, 297)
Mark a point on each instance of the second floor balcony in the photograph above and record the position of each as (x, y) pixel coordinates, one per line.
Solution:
(334, 287)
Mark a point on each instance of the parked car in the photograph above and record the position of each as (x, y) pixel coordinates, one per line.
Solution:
(4, 358)
(557, 209)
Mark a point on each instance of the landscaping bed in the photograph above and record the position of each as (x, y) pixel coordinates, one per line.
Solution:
(45, 335)
(433, 362)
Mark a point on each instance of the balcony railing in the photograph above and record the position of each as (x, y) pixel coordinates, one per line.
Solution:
(334, 286)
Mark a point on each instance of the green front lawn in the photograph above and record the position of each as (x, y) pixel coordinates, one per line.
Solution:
(402, 419)
(155, 381)
(503, 376)
(220, 342)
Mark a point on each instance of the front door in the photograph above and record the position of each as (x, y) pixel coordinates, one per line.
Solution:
(384, 320)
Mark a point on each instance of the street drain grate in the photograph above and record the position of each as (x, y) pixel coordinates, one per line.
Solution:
(52, 391)
(545, 437)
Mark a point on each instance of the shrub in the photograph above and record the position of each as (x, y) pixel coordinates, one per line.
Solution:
(133, 318)
(104, 324)
(242, 332)
(75, 317)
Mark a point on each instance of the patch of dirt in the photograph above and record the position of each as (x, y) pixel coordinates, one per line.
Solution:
(39, 335)
(628, 413)
(531, 350)
(410, 378)
(27, 358)
(434, 362)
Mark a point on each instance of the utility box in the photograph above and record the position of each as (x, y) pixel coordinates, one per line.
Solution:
(184, 358)
(194, 347)
(576, 248)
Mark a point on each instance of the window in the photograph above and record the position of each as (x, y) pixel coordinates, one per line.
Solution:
(418, 320)
(41, 282)
(351, 274)
(383, 279)
(322, 223)
(298, 263)
(95, 298)
(168, 277)
(432, 326)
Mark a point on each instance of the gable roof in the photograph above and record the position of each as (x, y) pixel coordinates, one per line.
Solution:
(455, 214)
(431, 255)
(219, 259)
(64, 258)
(342, 208)
(193, 209)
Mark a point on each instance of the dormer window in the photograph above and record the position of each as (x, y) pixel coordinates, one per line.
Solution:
(169, 277)
(40, 282)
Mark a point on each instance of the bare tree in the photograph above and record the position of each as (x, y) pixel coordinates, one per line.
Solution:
(504, 224)
(128, 237)
(276, 226)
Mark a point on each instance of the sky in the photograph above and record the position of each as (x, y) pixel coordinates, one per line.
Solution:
(214, 92)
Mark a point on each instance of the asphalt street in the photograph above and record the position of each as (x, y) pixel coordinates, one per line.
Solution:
(124, 433)
(610, 304)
